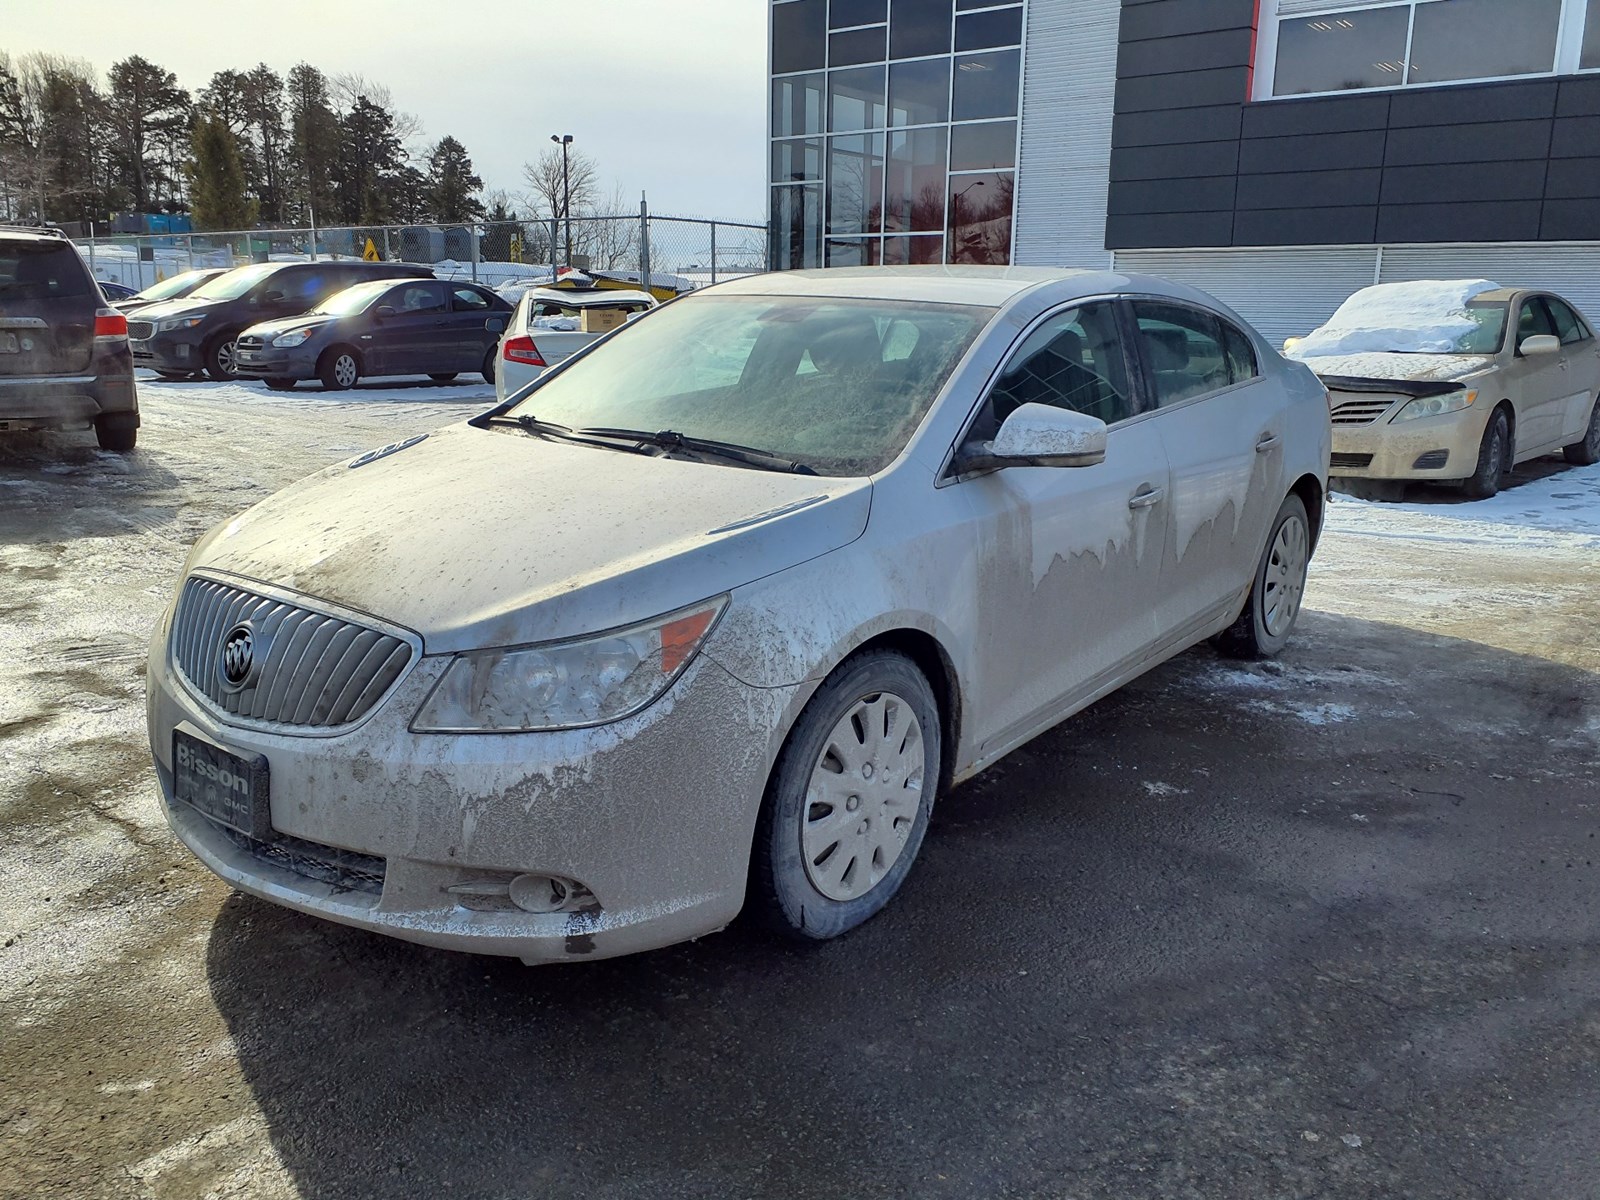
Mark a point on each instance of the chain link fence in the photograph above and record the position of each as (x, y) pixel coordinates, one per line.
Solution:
(668, 254)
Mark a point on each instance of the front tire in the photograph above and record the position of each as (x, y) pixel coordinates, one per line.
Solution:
(1586, 453)
(849, 800)
(221, 363)
(1494, 459)
(280, 383)
(339, 369)
(175, 376)
(443, 376)
(1273, 606)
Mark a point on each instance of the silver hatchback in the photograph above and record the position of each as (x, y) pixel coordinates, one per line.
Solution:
(707, 618)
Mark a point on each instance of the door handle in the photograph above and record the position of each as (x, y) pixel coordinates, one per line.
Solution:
(1146, 498)
(1266, 442)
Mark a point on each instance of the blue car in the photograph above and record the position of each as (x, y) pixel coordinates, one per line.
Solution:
(381, 327)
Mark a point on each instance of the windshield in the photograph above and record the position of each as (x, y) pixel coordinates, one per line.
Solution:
(168, 288)
(837, 385)
(352, 299)
(230, 285)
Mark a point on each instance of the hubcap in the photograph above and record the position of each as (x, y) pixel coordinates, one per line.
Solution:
(1285, 577)
(344, 370)
(225, 358)
(863, 797)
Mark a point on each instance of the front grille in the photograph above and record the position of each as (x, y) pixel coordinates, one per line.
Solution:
(139, 330)
(314, 670)
(1353, 462)
(1431, 461)
(343, 869)
(249, 342)
(1360, 412)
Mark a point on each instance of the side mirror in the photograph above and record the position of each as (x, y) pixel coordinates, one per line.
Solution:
(271, 297)
(494, 324)
(1039, 435)
(383, 312)
(1539, 343)
(1290, 343)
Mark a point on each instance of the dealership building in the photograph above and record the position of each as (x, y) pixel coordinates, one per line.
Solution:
(1278, 153)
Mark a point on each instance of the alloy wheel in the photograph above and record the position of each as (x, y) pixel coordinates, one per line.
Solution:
(1285, 577)
(227, 359)
(344, 370)
(863, 797)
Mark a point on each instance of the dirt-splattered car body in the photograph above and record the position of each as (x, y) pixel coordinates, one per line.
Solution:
(1024, 595)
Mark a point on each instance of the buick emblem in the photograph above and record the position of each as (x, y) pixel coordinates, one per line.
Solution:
(236, 665)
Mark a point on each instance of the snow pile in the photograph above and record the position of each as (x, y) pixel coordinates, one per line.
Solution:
(1426, 316)
(1562, 509)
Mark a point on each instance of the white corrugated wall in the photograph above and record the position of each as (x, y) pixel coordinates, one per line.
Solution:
(1069, 87)
(1283, 293)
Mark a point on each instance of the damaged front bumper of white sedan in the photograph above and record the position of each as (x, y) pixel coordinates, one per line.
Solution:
(543, 845)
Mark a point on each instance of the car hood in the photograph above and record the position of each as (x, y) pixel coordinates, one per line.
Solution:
(476, 538)
(183, 306)
(1426, 368)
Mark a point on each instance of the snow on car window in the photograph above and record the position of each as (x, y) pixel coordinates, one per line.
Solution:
(1420, 317)
(812, 379)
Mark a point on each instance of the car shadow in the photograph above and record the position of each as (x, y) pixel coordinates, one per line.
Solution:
(1423, 492)
(41, 489)
(1228, 906)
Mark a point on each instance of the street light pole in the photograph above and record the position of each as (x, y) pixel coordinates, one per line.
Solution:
(564, 141)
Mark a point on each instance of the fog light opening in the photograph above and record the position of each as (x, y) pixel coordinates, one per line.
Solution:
(546, 893)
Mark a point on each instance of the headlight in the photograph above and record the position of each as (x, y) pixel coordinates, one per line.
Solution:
(567, 685)
(295, 337)
(172, 323)
(1435, 406)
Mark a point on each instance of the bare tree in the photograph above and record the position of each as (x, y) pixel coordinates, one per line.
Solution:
(347, 87)
(609, 244)
(545, 185)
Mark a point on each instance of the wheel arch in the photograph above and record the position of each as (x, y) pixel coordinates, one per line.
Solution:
(1309, 488)
(931, 658)
(355, 351)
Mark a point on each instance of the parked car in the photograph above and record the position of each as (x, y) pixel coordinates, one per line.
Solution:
(727, 600)
(548, 328)
(415, 327)
(1456, 381)
(115, 291)
(174, 287)
(178, 338)
(64, 361)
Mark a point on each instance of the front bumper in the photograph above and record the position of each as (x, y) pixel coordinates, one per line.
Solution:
(1444, 447)
(652, 815)
(271, 362)
(173, 351)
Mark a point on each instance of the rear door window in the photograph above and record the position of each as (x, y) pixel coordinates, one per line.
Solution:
(468, 299)
(1186, 351)
(42, 271)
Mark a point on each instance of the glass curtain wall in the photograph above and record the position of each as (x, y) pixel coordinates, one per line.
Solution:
(894, 131)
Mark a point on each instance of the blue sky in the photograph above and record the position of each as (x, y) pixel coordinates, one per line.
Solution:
(667, 95)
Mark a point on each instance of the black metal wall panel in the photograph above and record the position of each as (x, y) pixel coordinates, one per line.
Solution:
(1194, 163)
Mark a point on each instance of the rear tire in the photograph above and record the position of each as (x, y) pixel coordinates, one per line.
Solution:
(1586, 453)
(443, 376)
(848, 801)
(1494, 459)
(118, 439)
(1273, 606)
(221, 365)
(339, 369)
(278, 383)
(487, 370)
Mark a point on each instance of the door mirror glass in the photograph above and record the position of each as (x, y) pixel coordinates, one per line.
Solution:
(271, 296)
(494, 324)
(1039, 435)
(383, 312)
(1540, 343)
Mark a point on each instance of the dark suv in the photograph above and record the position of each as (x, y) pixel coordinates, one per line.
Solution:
(64, 360)
(180, 337)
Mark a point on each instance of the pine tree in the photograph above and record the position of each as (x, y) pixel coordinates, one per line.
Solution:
(150, 116)
(216, 178)
(372, 158)
(314, 144)
(262, 101)
(452, 186)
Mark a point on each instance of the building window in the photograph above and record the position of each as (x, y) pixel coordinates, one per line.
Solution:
(894, 130)
(1313, 48)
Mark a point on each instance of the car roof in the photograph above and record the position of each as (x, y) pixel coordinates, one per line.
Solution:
(14, 233)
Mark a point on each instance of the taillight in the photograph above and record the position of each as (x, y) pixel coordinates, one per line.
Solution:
(522, 350)
(108, 323)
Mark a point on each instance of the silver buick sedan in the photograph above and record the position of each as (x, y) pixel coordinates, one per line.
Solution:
(708, 617)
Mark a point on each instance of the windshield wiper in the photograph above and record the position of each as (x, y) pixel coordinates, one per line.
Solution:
(671, 439)
(559, 433)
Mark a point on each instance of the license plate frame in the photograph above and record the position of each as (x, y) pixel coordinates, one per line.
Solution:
(225, 787)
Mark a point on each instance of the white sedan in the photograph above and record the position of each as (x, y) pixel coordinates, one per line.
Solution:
(710, 616)
(550, 325)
